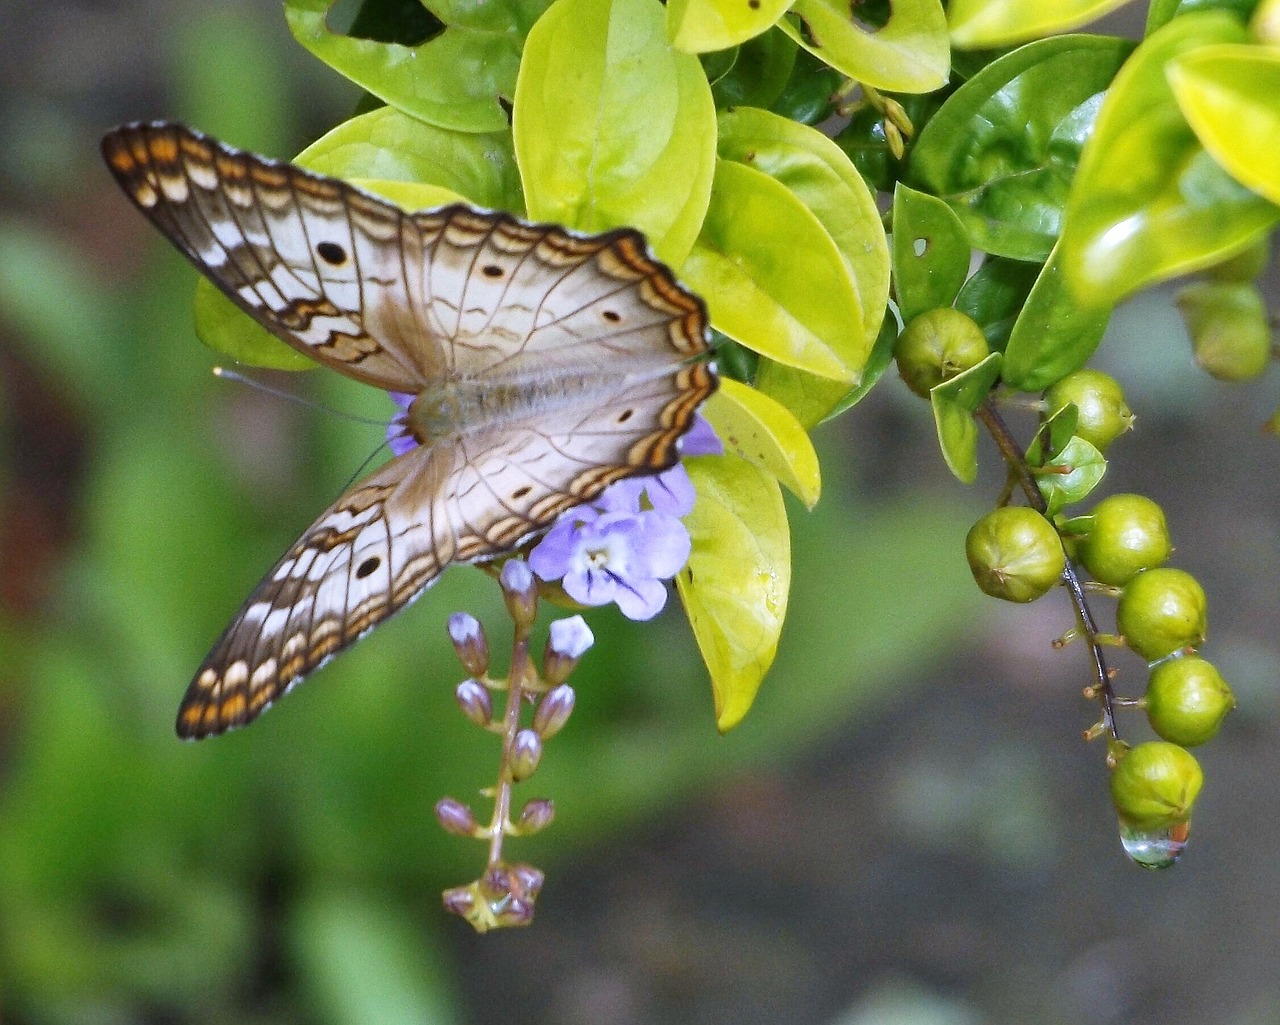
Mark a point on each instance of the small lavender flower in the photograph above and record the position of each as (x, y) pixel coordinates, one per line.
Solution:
(399, 440)
(535, 816)
(475, 701)
(623, 545)
(701, 439)
(614, 557)
(570, 638)
(456, 817)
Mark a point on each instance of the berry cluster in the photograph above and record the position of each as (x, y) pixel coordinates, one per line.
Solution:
(1020, 552)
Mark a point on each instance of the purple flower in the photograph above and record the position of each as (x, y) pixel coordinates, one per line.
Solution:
(603, 557)
(570, 638)
(701, 439)
(399, 440)
(622, 546)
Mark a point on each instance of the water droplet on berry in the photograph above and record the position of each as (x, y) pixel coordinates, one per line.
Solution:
(1155, 848)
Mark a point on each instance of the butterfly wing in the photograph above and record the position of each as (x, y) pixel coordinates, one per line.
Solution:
(312, 259)
(390, 536)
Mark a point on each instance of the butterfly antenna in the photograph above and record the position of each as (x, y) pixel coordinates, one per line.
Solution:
(233, 375)
(364, 466)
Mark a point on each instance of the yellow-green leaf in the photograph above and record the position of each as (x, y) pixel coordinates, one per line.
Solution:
(992, 23)
(392, 146)
(612, 126)
(736, 584)
(1228, 94)
(773, 279)
(454, 79)
(700, 26)
(228, 330)
(908, 54)
(761, 430)
(1148, 202)
(821, 175)
(410, 196)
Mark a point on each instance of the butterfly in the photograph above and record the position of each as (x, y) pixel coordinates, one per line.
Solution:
(544, 365)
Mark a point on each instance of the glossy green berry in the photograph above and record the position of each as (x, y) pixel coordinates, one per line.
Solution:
(936, 346)
(1160, 611)
(1228, 325)
(1015, 554)
(1099, 401)
(1129, 534)
(1187, 699)
(1155, 785)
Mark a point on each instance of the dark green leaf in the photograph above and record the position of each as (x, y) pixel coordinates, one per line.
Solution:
(1054, 334)
(994, 295)
(760, 73)
(1003, 149)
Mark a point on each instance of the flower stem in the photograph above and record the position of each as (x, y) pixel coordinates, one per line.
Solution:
(520, 670)
(1023, 474)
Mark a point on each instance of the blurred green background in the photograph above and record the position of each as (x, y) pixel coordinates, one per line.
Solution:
(906, 829)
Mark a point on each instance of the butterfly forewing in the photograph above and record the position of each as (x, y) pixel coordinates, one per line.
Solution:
(582, 352)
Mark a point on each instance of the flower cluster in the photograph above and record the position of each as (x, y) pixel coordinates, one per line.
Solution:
(506, 892)
(624, 544)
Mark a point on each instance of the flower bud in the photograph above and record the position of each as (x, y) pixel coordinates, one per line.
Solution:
(535, 816)
(1154, 785)
(567, 642)
(553, 711)
(1101, 412)
(937, 346)
(1187, 699)
(526, 752)
(475, 701)
(456, 817)
(1228, 327)
(469, 642)
(509, 893)
(460, 901)
(1129, 535)
(520, 592)
(1160, 611)
(1015, 554)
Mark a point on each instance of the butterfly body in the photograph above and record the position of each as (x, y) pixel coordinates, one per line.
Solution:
(543, 365)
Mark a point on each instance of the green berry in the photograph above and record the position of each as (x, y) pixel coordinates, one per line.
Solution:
(1099, 400)
(1187, 699)
(1015, 554)
(1160, 611)
(936, 346)
(1129, 534)
(1229, 329)
(1154, 785)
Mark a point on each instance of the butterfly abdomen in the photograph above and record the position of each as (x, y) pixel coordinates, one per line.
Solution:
(456, 408)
